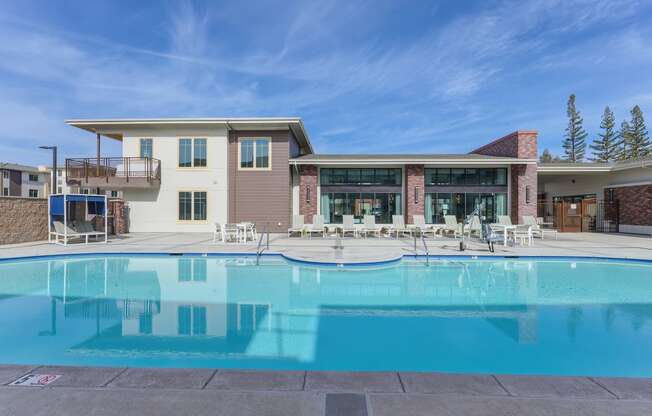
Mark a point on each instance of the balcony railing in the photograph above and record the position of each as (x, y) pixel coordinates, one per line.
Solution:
(114, 171)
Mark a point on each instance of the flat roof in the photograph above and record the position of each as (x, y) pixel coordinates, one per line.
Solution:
(401, 159)
(592, 167)
(112, 127)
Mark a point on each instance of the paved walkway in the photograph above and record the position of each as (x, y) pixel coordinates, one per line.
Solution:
(123, 391)
(354, 250)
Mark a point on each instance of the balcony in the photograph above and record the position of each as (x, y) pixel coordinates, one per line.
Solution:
(114, 172)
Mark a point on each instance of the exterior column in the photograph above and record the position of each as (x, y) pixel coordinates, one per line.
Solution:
(308, 196)
(523, 192)
(414, 192)
(98, 155)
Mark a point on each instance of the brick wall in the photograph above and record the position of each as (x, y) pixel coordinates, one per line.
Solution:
(23, 220)
(521, 144)
(119, 211)
(414, 182)
(523, 176)
(308, 185)
(634, 204)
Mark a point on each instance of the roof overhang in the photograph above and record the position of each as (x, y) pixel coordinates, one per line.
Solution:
(115, 128)
(557, 169)
(399, 161)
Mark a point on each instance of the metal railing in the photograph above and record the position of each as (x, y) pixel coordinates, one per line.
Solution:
(113, 167)
(259, 251)
(425, 246)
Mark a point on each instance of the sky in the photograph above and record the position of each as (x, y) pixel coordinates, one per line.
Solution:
(365, 76)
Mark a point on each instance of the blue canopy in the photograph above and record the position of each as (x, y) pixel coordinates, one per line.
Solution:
(96, 203)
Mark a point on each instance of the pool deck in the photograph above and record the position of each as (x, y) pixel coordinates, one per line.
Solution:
(354, 250)
(122, 391)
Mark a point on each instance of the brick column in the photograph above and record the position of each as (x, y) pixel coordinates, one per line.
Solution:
(414, 192)
(118, 211)
(308, 197)
(523, 181)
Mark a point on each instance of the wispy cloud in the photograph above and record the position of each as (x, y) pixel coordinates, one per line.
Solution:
(358, 72)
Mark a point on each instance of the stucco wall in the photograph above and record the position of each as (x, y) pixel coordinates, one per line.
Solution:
(23, 220)
(156, 210)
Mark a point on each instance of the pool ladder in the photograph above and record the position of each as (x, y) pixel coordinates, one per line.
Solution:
(260, 250)
(425, 248)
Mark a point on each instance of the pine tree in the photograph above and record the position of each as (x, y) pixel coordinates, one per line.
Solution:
(606, 148)
(546, 156)
(624, 135)
(637, 141)
(574, 143)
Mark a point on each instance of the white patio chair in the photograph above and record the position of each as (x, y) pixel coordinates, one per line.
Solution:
(230, 232)
(370, 226)
(504, 220)
(317, 226)
(398, 226)
(473, 227)
(451, 226)
(537, 228)
(297, 225)
(348, 227)
(419, 225)
(217, 233)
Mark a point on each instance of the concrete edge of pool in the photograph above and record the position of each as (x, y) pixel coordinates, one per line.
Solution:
(293, 259)
(319, 393)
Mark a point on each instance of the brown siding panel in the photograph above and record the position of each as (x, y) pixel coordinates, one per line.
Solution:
(262, 197)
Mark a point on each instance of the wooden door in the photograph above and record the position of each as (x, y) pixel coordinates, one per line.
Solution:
(571, 217)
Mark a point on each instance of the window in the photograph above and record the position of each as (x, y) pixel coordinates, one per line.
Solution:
(146, 148)
(33, 193)
(5, 174)
(59, 190)
(255, 153)
(84, 191)
(367, 176)
(192, 206)
(5, 191)
(382, 205)
(192, 153)
(192, 320)
(59, 173)
(487, 205)
(33, 177)
(114, 194)
(199, 153)
(467, 177)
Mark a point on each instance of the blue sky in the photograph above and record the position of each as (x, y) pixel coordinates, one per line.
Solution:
(366, 76)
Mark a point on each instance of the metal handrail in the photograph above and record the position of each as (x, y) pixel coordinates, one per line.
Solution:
(107, 167)
(259, 251)
(425, 248)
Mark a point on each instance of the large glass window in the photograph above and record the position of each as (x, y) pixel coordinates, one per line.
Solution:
(466, 176)
(199, 153)
(255, 153)
(364, 176)
(192, 153)
(185, 206)
(486, 205)
(185, 153)
(334, 205)
(146, 148)
(199, 206)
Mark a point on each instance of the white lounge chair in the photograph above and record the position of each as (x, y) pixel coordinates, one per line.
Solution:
(370, 226)
(83, 232)
(398, 226)
(317, 226)
(473, 227)
(217, 233)
(419, 225)
(537, 229)
(451, 226)
(297, 225)
(348, 227)
(230, 232)
(504, 220)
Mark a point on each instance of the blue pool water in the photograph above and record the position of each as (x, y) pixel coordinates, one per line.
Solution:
(521, 316)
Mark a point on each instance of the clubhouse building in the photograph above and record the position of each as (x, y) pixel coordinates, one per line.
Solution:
(186, 174)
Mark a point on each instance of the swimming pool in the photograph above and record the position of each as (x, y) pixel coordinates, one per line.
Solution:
(489, 315)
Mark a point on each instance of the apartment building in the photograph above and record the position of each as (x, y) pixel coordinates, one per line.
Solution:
(23, 181)
(185, 174)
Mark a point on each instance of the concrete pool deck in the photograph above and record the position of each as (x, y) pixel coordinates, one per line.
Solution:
(121, 391)
(354, 250)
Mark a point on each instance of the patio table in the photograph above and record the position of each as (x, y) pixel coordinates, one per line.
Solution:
(506, 229)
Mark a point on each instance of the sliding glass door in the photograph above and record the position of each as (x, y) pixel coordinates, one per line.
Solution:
(487, 205)
(382, 205)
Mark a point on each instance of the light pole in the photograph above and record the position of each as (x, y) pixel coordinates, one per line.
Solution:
(54, 167)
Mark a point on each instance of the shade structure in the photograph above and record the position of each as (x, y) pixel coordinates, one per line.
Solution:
(59, 213)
